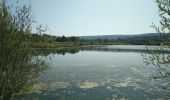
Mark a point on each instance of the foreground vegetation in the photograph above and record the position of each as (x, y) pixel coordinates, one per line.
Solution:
(18, 66)
(158, 59)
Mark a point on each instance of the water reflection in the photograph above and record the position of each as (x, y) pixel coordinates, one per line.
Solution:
(99, 73)
(62, 51)
(129, 48)
(108, 48)
(88, 74)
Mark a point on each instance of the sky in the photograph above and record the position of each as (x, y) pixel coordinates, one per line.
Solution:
(95, 17)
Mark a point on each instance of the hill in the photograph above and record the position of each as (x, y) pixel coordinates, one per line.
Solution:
(146, 36)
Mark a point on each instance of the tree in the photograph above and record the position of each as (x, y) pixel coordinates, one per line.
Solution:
(161, 58)
(17, 64)
(164, 27)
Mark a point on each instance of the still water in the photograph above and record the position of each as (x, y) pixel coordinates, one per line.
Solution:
(98, 73)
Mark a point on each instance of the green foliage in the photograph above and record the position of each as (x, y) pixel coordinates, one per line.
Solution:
(17, 65)
(160, 59)
(52, 39)
(164, 24)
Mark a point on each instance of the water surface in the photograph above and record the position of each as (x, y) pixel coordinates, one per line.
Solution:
(99, 73)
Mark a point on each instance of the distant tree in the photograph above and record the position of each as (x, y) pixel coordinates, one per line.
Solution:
(106, 40)
(73, 39)
(63, 39)
(119, 39)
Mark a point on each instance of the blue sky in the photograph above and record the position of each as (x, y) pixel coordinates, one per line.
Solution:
(96, 17)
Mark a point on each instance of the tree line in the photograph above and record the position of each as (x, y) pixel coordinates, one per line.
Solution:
(50, 38)
(46, 38)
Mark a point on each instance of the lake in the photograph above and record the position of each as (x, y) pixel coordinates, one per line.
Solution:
(98, 73)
